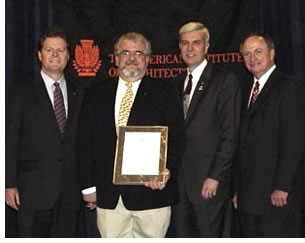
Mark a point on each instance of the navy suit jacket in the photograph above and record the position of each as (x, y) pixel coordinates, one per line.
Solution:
(156, 103)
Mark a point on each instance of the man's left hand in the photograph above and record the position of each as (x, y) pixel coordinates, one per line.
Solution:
(209, 188)
(158, 185)
(279, 198)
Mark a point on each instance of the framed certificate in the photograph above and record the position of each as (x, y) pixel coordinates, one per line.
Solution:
(141, 154)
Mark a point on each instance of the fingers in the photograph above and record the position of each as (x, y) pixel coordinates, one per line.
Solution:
(279, 198)
(234, 200)
(159, 185)
(12, 198)
(208, 194)
(90, 205)
(12, 204)
(155, 185)
(209, 189)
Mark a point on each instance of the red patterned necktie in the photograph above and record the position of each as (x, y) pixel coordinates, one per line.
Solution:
(186, 95)
(255, 93)
(59, 108)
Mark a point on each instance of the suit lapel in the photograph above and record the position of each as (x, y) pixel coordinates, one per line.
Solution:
(140, 100)
(43, 98)
(199, 92)
(73, 98)
(265, 92)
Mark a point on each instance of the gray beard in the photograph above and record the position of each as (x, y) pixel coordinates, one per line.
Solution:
(131, 74)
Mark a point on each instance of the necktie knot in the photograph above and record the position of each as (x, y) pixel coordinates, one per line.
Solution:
(129, 85)
(255, 92)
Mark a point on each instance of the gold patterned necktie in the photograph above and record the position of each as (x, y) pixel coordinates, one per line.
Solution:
(125, 106)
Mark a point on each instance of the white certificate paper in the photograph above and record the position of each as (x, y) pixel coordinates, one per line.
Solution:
(141, 153)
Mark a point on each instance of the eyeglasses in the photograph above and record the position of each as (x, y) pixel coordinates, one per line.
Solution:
(137, 54)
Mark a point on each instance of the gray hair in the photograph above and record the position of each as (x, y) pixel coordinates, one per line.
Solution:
(133, 36)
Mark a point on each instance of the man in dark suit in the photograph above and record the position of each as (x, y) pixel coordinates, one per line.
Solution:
(129, 210)
(269, 181)
(211, 104)
(40, 165)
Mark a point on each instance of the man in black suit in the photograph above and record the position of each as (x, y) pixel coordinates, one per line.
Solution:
(211, 104)
(40, 165)
(129, 210)
(269, 181)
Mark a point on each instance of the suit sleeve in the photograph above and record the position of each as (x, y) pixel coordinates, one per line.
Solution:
(175, 120)
(228, 112)
(292, 136)
(13, 119)
(84, 142)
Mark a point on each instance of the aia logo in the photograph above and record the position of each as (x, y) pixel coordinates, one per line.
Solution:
(87, 59)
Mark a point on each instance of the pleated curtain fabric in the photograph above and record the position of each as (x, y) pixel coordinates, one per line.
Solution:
(59, 108)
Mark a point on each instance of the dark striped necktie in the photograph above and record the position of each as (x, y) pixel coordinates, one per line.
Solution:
(59, 108)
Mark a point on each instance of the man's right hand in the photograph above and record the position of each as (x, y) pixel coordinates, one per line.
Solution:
(234, 200)
(12, 198)
(90, 200)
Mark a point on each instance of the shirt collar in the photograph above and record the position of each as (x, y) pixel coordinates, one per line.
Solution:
(263, 79)
(49, 81)
(198, 70)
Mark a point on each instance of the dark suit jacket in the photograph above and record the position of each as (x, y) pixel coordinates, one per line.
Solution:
(272, 146)
(211, 132)
(156, 103)
(39, 162)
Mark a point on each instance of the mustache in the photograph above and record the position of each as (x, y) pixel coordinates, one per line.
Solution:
(131, 62)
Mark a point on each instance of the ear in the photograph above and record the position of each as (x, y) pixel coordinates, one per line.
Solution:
(206, 48)
(147, 59)
(39, 55)
(272, 54)
(116, 58)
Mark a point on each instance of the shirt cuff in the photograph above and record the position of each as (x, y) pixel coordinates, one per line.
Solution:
(89, 190)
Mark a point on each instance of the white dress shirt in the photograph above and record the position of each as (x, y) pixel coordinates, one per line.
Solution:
(262, 81)
(49, 83)
(196, 76)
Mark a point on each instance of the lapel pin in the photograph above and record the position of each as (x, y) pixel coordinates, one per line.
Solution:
(201, 86)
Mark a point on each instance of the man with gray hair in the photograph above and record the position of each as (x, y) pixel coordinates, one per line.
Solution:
(129, 210)
(211, 101)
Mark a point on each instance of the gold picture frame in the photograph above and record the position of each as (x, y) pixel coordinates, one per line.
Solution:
(141, 154)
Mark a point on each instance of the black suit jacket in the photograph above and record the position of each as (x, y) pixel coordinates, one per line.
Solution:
(39, 162)
(156, 103)
(271, 146)
(212, 125)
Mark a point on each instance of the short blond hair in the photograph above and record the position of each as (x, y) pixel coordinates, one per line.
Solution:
(196, 26)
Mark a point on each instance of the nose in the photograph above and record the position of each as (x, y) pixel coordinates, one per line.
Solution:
(132, 56)
(189, 47)
(54, 53)
(252, 56)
